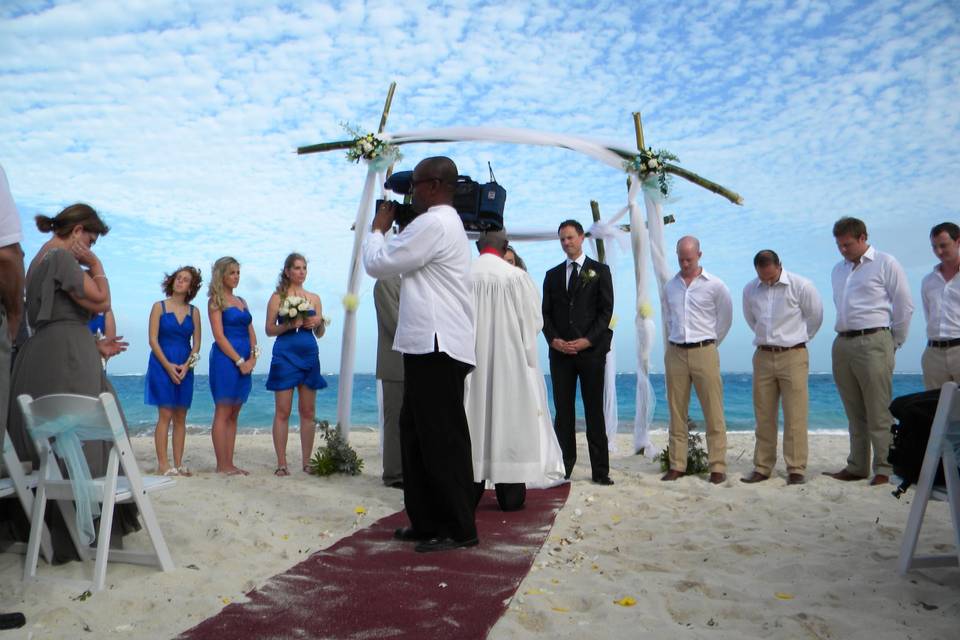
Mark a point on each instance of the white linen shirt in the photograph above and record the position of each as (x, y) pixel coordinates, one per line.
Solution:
(10, 230)
(785, 313)
(701, 311)
(941, 305)
(875, 294)
(432, 256)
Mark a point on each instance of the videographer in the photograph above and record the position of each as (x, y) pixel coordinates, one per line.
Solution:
(435, 334)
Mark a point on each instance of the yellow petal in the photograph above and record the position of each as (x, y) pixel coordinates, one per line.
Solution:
(616, 519)
(533, 592)
(625, 601)
(226, 600)
(285, 537)
(783, 596)
(561, 609)
(359, 511)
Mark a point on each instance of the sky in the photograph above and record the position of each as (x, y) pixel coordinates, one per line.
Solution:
(178, 122)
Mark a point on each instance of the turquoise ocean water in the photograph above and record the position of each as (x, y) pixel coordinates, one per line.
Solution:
(826, 411)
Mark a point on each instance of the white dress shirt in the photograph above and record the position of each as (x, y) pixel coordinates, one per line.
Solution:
(941, 305)
(875, 294)
(783, 314)
(582, 257)
(701, 311)
(433, 257)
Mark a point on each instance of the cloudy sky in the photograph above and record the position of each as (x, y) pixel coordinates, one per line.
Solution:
(178, 121)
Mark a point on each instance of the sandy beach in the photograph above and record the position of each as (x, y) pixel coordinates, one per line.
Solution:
(733, 561)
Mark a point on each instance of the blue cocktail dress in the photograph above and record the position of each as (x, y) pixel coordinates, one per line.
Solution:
(175, 342)
(227, 385)
(296, 360)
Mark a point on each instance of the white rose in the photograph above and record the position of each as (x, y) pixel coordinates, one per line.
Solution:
(292, 313)
(293, 300)
(366, 146)
(303, 306)
(652, 163)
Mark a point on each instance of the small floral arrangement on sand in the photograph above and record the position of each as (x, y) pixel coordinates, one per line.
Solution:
(370, 147)
(697, 460)
(336, 455)
(649, 163)
(292, 307)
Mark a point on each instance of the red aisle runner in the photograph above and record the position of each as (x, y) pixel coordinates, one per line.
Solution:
(369, 585)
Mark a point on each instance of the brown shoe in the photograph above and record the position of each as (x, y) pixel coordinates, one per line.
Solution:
(718, 478)
(756, 476)
(672, 475)
(879, 479)
(844, 475)
(795, 478)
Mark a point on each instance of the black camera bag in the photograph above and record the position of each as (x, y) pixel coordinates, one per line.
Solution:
(914, 413)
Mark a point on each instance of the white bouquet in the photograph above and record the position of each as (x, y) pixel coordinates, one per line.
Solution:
(293, 307)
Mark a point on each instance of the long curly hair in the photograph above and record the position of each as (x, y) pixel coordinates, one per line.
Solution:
(215, 289)
(78, 214)
(283, 282)
(195, 281)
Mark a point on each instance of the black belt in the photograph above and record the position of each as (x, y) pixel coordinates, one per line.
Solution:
(693, 345)
(776, 349)
(861, 332)
(943, 344)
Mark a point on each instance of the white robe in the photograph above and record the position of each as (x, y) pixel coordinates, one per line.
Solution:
(511, 431)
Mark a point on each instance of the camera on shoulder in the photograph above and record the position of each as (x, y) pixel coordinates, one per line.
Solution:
(480, 206)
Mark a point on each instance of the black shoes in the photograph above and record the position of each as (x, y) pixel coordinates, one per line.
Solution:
(12, 620)
(445, 544)
(409, 534)
(605, 481)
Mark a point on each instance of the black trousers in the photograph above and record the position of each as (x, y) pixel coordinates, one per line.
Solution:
(564, 372)
(511, 496)
(438, 489)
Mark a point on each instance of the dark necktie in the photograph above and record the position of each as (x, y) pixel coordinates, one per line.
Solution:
(574, 274)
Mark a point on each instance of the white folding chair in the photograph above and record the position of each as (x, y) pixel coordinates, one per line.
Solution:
(942, 446)
(52, 421)
(20, 484)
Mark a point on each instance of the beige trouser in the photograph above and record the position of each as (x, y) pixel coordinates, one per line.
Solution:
(939, 366)
(776, 376)
(4, 375)
(701, 367)
(863, 372)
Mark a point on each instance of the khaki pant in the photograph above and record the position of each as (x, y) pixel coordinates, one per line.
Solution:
(781, 375)
(701, 367)
(863, 372)
(4, 375)
(939, 366)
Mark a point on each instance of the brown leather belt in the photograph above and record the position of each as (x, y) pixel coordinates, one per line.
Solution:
(776, 349)
(943, 344)
(693, 345)
(861, 332)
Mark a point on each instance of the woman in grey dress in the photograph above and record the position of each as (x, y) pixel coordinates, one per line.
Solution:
(65, 285)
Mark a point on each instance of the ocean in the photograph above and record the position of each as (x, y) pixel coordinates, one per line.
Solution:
(826, 410)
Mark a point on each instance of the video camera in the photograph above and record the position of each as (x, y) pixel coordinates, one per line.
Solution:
(480, 206)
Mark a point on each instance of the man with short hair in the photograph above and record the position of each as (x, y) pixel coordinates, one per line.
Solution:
(940, 291)
(699, 313)
(577, 308)
(873, 303)
(436, 337)
(513, 442)
(784, 312)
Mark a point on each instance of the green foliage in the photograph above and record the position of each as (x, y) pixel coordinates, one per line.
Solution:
(697, 460)
(336, 455)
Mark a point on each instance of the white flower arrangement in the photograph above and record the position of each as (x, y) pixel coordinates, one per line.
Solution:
(649, 163)
(293, 306)
(589, 276)
(193, 360)
(371, 147)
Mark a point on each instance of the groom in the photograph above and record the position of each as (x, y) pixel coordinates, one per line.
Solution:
(577, 308)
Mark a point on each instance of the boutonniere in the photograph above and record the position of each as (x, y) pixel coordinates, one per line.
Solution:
(589, 276)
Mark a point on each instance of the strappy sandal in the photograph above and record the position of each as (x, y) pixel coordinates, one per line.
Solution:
(184, 471)
(307, 469)
(281, 471)
(172, 471)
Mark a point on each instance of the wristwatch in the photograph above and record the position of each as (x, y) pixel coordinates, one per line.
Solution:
(240, 361)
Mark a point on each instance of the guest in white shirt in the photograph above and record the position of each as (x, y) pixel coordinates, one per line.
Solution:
(940, 291)
(784, 311)
(873, 303)
(699, 312)
(435, 334)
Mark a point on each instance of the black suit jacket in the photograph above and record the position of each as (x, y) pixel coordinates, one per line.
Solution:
(584, 312)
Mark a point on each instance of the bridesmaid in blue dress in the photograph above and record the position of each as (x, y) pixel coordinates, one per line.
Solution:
(296, 360)
(232, 359)
(174, 334)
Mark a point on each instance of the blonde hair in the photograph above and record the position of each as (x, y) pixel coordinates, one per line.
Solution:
(283, 282)
(215, 290)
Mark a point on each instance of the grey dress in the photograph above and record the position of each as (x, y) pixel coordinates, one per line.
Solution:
(60, 357)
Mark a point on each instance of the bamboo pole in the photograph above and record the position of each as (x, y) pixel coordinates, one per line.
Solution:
(601, 251)
(386, 106)
(638, 127)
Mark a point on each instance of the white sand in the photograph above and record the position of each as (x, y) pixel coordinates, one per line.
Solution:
(734, 561)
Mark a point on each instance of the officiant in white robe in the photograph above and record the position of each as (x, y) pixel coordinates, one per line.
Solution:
(511, 432)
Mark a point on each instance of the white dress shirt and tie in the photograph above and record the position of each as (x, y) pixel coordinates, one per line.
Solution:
(941, 308)
(873, 304)
(699, 316)
(784, 316)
